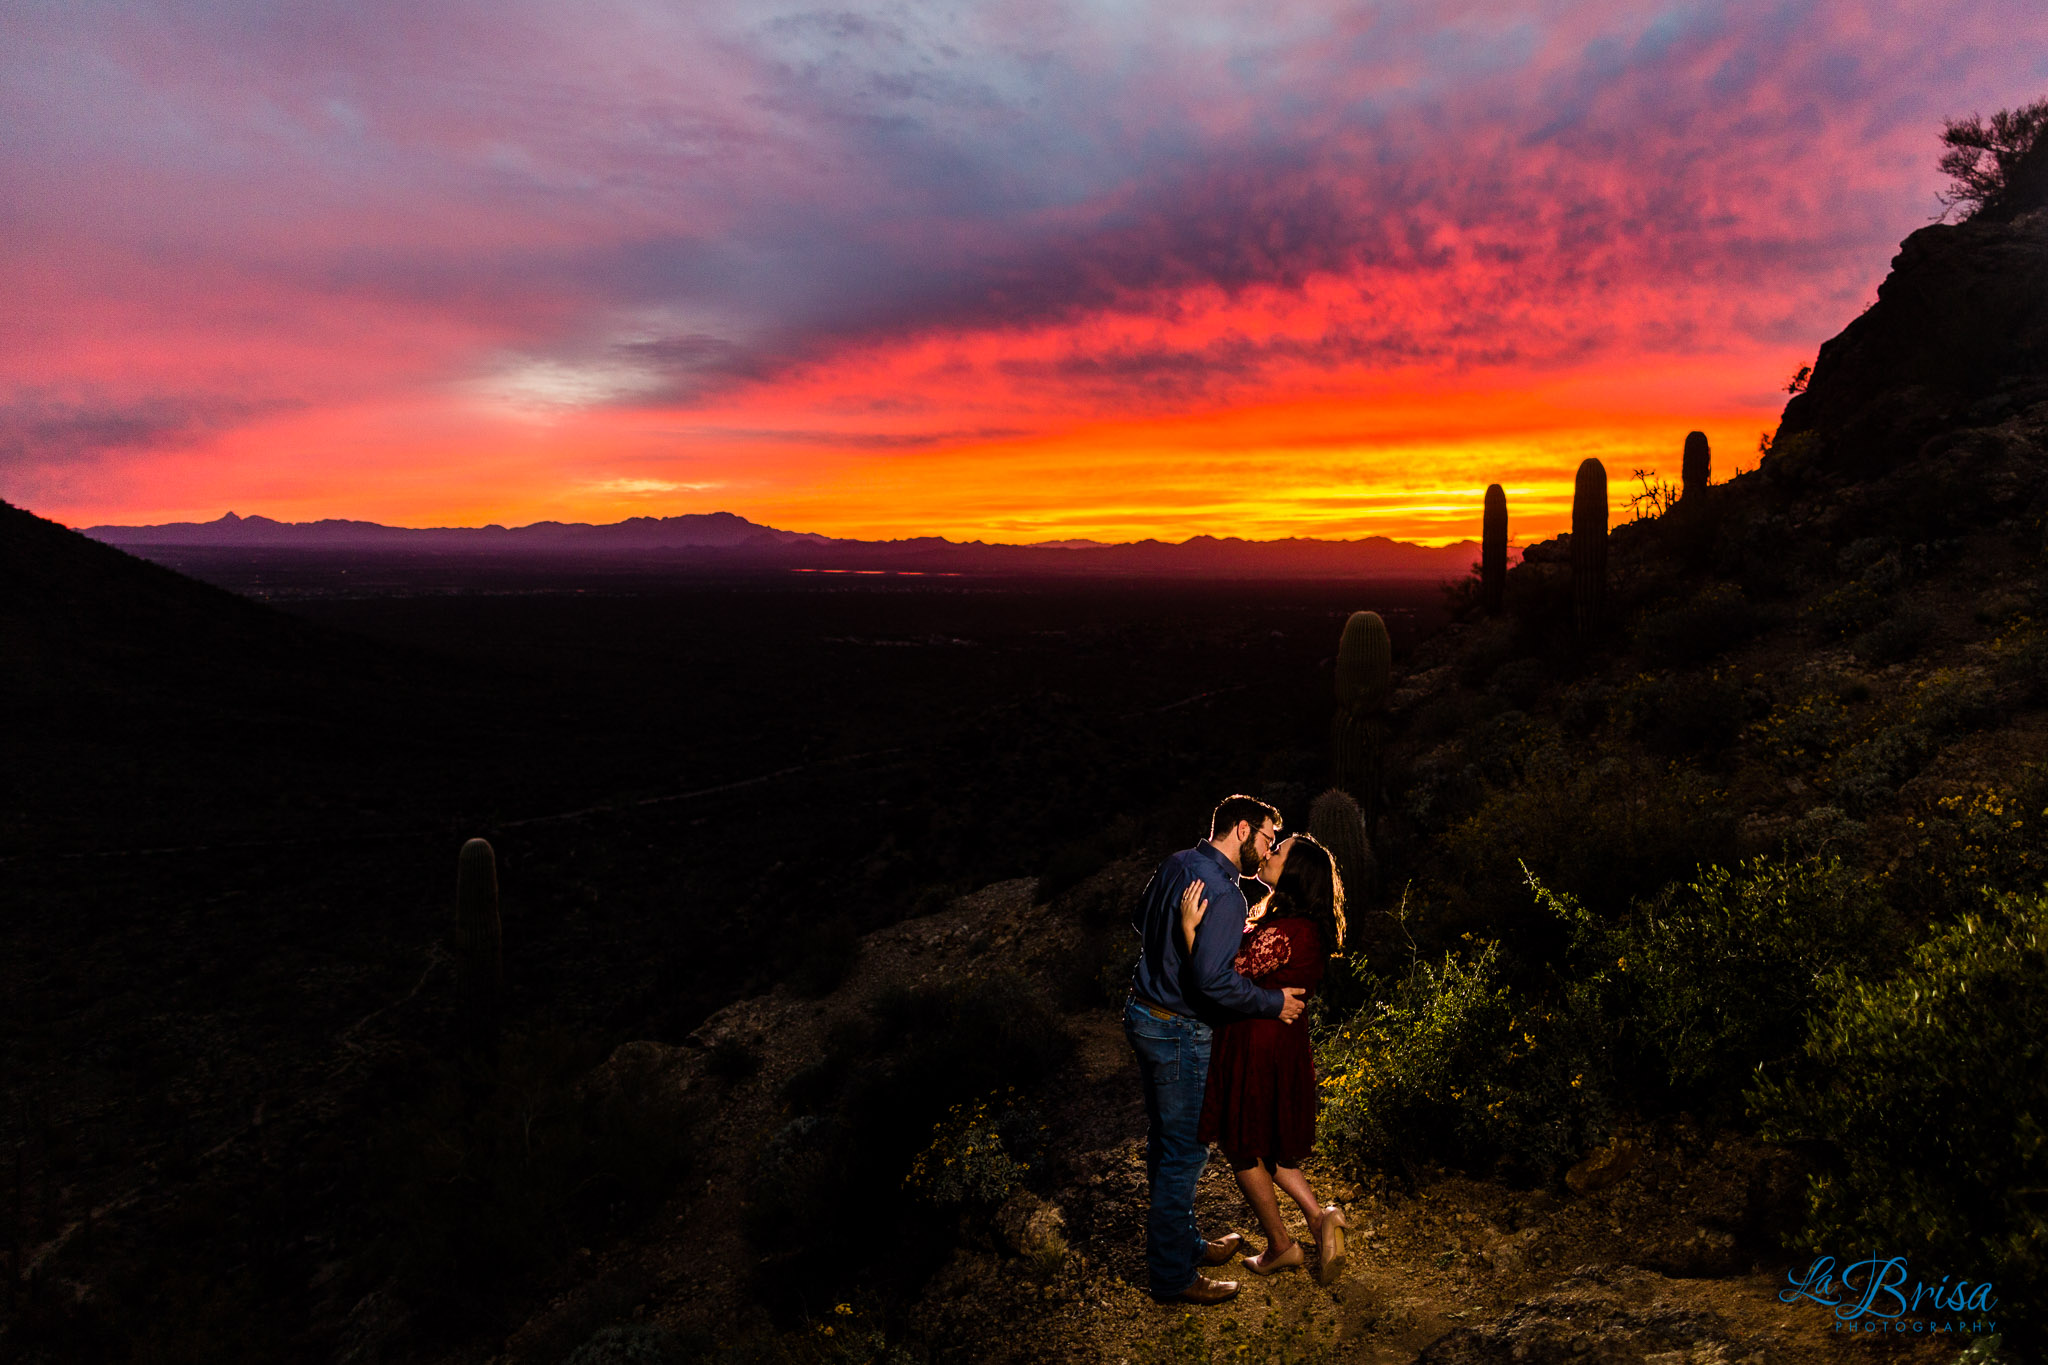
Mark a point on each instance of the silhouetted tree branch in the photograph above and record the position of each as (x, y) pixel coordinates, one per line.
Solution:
(1981, 155)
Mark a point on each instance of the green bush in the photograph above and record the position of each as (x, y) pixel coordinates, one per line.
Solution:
(1709, 625)
(1848, 610)
(972, 1157)
(1400, 1078)
(1931, 1088)
(1451, 1066)
(1801, 734)
(1867, 775)
(1687, 713)
(1715, 976)
(1613, 826)
(1952, 700)
(1897, 640)
(1992, 840)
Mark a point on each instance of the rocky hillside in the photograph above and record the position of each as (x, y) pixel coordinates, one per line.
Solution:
(1660, 1249)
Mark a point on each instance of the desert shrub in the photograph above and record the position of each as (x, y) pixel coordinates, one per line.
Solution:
(2020, 657)
(1402, 1076)
(1867, 775)
(1931, 1089)
(1490, 651)
(972, 1156)
(1898, 639)
(1991, 840)
(1442, 788)
(1848, 610)
(1449, 713)
(1709, 625)
(1582, 707)
(1687, 713)
(1452, 1066)
(1714, 975)
(1799, 735)
(1520, 682)
(1823, 831)
(1614, 827)
(1499, 744)
(1951, 700)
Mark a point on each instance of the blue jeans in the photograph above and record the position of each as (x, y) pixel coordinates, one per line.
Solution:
(1173, 1062)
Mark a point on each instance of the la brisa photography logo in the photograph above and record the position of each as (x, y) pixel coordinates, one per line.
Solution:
(1882, 1294)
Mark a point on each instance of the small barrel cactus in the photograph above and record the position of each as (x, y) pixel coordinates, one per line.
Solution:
(1493, 550)
(479, 943)
(1589, 548)
(1697, 464)
(1339, 826)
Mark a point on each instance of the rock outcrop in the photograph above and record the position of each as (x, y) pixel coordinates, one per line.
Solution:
(1958, 338)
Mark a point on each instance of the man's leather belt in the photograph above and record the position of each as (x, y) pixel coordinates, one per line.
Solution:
(1156, 1011)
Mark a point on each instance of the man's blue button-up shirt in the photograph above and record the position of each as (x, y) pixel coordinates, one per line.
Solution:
(1206, 985)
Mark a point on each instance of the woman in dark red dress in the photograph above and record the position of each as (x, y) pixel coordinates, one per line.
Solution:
(1261, 1102)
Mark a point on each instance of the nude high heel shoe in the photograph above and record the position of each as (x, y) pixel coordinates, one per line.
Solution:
(1329, 1246)
(1265, 1263)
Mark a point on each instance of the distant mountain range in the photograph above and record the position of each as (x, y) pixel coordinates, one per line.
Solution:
(725, 540)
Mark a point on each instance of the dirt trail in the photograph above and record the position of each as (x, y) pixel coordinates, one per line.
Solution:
(1665, 1266)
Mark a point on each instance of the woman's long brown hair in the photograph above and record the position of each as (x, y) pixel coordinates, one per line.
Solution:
(1310, 888)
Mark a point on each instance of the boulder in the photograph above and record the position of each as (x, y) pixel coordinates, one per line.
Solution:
(1028, 1226)
(1604, 1167)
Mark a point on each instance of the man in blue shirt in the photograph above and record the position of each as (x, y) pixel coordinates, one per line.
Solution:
(1177, 998)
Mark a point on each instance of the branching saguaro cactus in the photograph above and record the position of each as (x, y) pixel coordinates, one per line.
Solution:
(1697, 465)
(479, 945)
(1493, 550)
(1365, 657)
(1589, 549)
(1339, 825)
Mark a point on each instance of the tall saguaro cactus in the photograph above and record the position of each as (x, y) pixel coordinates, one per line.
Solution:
(1365, 657)
(1697, 464)
(479, 945)
(1589, 548)
(1493, 550)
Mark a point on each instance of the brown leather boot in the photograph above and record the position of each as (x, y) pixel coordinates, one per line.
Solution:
(1206, 1290)
(1222, 1249)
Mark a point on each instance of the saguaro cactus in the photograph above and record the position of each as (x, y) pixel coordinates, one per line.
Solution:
(479, 944)
(1589, 548)
(1339, 825)
(1365, 657)
(1493, 550)
(1698, 462)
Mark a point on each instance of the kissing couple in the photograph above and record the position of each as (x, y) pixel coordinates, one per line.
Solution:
(1215, 1019)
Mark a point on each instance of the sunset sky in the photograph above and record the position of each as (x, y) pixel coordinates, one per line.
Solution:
(1010, 271)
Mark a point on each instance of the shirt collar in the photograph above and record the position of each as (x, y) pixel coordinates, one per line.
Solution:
(1214, 856)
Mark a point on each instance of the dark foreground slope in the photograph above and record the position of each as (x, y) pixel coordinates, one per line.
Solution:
(228, 1061)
